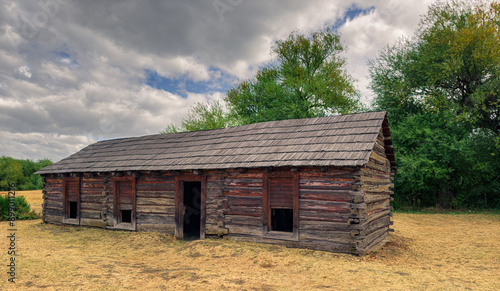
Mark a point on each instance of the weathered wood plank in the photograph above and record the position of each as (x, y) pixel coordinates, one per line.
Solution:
(243, 220)
(322, 205)
(377, 206)
(341, 237)
(244, 210)
(148, 218)
(85, 198)
(155, 194)
(91, 206)
(331, 195)
(381, 168)
(243, 192)
(143, 201)
(155, 209)
(155, 186)
(324, 225)
(53, 203)
(86, 213)
(54, 218)
(323, 216)
(376, 188)
(92, 222)
(371, 198)
(251, 201)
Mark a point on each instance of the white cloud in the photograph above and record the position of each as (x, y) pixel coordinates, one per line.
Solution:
(367, 34)
(73, 72)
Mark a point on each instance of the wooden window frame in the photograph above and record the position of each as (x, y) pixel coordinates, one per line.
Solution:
(66, 218)
(116, 206)
(266, 207)
(179, 203)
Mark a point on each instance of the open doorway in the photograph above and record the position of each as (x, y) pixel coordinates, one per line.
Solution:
(192, 210)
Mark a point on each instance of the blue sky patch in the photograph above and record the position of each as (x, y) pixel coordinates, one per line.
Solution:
(66, 60)
(220, 82)
(351, 13)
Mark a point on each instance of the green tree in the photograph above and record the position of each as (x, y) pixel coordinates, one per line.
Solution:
(202, 116)
(441, 90)
(21, 172)
(11, 171)
(452, 63)
(307, 80)
(445, 163)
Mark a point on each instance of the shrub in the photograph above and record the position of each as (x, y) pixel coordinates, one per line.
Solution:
(23, 211)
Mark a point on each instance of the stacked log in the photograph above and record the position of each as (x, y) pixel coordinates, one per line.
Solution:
(52, 199)
(242, 205)
(370, 223)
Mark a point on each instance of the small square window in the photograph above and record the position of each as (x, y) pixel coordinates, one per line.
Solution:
(126, 216)
(282, 220)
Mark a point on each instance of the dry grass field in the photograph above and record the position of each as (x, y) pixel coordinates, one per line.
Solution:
(427, 251)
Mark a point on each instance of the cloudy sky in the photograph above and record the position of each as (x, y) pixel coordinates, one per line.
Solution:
(74, 72)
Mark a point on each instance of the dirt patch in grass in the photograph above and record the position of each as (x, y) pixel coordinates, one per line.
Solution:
(427, 251)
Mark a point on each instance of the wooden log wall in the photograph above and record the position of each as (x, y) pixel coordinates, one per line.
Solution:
(215, 203)
(52, 211)
(325, 208)
(155, 202)
(340, 209)
(242, 214)
(94, 200)
(373, 192)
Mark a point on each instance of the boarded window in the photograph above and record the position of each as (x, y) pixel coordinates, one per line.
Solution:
(125, 200)
(281, 202)
(281, 192)
(71, 200)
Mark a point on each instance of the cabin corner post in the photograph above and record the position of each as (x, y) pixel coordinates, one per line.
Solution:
(371, 218)
(44, 197)
(358, 210)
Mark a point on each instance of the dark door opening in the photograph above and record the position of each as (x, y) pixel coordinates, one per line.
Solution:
(73, 210)
(192, 209)
(282, 220)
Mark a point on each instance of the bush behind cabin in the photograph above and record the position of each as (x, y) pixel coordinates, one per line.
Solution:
(23, 209)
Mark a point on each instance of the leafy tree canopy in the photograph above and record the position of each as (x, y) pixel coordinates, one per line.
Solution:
(202, 116)
(441, 89)
(307, 80)
(21, 172)
(452, 63)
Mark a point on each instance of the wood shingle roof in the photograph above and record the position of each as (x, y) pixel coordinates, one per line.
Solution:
(345, 140)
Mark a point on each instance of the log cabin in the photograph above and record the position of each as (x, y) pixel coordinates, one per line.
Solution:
(320, 183)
